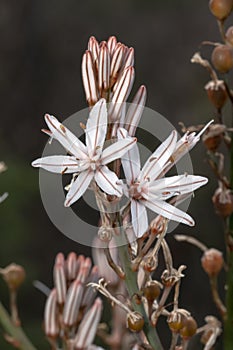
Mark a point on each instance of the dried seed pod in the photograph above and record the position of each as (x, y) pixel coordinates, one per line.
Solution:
(223, 202)
(213, 137)
(14, 275)
(176, 319)
(221, 9)
(229, 36)
(189, 329)
(135, 321)
(212, 261)
(152, 290)
(217, 93)
(222, 58)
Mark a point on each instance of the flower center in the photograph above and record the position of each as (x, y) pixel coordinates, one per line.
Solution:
(137, 191)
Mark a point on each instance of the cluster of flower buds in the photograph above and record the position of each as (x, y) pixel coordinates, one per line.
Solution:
(108, 72)
(72, 311)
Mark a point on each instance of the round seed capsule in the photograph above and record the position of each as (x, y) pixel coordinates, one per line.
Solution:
(229, 36)
(212, 261)
(222, 58)
(189, 328)
(135, 321)
(221, 9)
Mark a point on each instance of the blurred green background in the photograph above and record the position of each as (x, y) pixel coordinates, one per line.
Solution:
(41, 47)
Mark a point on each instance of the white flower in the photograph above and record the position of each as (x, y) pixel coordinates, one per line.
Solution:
(146, 187)
(89, 160)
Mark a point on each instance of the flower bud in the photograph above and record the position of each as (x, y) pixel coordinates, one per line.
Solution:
(14, 275)
(189, 329)
(217, 93)
(212, 261)
(222, 58)
(135, 321)
(152, 290)
(221, 9)
(223, 202)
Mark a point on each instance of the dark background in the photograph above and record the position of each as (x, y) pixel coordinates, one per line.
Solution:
(41, 46)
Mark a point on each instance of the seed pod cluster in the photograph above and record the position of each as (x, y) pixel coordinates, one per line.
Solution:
(180, 321)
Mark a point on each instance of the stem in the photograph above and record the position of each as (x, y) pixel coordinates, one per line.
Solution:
(218, 302)
(228, 334)
(132, 287)
(15, 332)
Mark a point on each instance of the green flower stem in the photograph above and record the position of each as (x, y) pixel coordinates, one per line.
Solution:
(132, 287)
(15, 332)
(228, 325)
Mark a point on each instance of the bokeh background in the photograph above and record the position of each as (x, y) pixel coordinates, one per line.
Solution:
(41, 46)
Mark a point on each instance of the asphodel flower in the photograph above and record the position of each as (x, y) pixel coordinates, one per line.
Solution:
(148, 188)
(89, 160)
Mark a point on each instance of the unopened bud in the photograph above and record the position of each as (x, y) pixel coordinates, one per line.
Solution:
(51, 315)
(14, 275)
(72, 303)
(212, 261)
(71, 266)
(88, 326)
(84, 270)
(135, 321)
(60, 282)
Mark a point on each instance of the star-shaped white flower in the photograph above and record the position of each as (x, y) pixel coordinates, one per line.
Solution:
(146, 187)
(89, 160)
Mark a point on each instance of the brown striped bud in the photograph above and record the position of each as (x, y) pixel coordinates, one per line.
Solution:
(222, 58)
(71, 266)
(90, 293)
(14, 275)
(88, 326)
(116, 63)
(103, 69)
(135, 321)
(212, 261)
(93, 47)
(51, 315)
(221, 9)
(84, 270)
(112, 42)
(129, 58)
(89, 78)
(121, 93)
(72, 303)
(59, 259)
(60, 282)
(135, 111)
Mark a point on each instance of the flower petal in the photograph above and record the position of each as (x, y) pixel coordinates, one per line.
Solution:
(117, 149)
(96, 127)
(176, 185)
(130, 160)
(78, 187)
(168, 211)
(58, 164)
(107, 181)
(66, 138)
(139, 218)
(154, 165)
